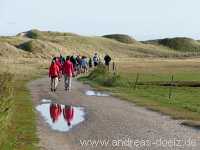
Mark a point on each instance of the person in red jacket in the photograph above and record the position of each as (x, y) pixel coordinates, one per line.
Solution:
(68, 71)
(58, 62)
(55, 112)
(53, 74)
(68, 113)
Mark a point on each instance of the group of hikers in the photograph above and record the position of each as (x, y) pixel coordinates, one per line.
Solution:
(72, 66)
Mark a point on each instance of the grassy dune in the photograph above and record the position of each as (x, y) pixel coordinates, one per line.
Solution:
(121, 38)
(45, 44)
(181, 44)
(40, 44)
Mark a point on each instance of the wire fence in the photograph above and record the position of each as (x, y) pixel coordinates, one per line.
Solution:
(139, 80)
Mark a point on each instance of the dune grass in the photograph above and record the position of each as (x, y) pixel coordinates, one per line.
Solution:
(19, 126)
(17, 117)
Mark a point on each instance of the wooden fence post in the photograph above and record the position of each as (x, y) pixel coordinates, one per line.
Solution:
(113, 67)
(170, 88)
(136, 80)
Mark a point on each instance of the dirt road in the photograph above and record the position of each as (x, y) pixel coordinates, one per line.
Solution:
(120, 124)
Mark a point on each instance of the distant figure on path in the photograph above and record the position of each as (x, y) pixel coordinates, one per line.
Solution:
(68, 70)
(74, 62)
(107, 60)
(84, 64)
(62, 59)
(78, 59)
(96, 59)
(90, 63)
(53, 74)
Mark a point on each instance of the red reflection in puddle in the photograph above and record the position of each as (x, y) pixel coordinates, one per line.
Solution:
(68, 113)
(55, 112)
(61, 117)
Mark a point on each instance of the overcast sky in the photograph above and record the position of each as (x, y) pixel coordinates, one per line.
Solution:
(142, 19)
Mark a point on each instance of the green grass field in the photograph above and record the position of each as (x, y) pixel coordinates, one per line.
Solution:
(184, 101)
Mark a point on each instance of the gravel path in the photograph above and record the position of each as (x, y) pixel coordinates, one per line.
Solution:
(118, 123)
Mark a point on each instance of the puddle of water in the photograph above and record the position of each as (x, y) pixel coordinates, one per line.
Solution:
(95, 93)
(46, 101)
(61, 117)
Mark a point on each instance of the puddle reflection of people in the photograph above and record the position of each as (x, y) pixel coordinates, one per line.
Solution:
(68, 113)
(55, 112)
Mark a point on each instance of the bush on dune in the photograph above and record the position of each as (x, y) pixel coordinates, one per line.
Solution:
(34, 34)
(27, 46)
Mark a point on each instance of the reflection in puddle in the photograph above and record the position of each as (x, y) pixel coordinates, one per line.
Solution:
(46, 101)
(61, 117)
(95, 93)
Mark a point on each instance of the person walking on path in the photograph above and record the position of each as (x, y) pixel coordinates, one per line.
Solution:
(90, 62)
(84, 64)
(107, 60)
(78, 59)
(74, 62)
(53, 74)
(58, 62)
(96, 59)
(62, 59)
(68, 70)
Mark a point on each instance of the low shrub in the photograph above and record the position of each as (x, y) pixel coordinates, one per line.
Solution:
(27, 46)
(97, 72)
(34, 34)
(103, 76)
(111, 80)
